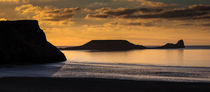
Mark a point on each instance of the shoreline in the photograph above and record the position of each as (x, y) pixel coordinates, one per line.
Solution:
(48, 84)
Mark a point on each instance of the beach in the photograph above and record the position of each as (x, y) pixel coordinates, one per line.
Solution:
(112, 72)
(43, 84)
(86, 77)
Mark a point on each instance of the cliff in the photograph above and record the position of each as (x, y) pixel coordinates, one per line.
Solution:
(23, 42)
(106, 45)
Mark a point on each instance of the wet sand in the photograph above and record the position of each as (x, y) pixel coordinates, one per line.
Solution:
(29, 84)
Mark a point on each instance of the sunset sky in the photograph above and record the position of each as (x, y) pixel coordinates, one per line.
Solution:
(145, 22)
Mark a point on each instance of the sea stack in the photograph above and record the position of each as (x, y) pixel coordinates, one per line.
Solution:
(107, 45)
(179, 44)
(23, 42)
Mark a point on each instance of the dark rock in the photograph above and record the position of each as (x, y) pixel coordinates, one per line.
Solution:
(179, 44)
(107, 45)
(23, 42)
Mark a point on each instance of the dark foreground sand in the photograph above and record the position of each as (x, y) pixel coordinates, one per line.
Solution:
(96, 85)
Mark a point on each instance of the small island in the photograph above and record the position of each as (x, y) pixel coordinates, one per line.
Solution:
(106, 45)
(179, 44)
(120, 45)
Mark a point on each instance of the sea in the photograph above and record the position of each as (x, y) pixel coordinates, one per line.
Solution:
(191, 64)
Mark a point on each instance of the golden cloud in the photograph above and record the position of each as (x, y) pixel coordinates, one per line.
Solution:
(150, 3)
(3, 19)
(14, 1)
(190, 12)
(48, 16)
(46, 13)
(121, 12)
(24, 1)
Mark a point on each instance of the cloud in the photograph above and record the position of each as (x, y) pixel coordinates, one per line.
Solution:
(24, 1)
(126, 11)
(147, 3)
(191, 12)
(145, 24)
(208, 24)
(97, 4)
(14, 1)
(120, 12)
(3, 19)
(195, 24)
(48, 17)
(150, 3)
(46, 13)
(96, 16)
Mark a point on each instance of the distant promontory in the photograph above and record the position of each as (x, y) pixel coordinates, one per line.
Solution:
(23, 42)
(179, 44)
(120, 45)
(106, 45)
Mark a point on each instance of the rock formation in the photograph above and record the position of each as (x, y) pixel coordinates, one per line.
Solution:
(107, 45)
(179, 44)
(23, 42)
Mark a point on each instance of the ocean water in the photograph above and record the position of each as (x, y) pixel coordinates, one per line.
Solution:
(191, 65)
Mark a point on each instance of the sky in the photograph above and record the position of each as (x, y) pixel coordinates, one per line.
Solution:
(143, 22)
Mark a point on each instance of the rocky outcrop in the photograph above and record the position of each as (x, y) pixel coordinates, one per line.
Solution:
(179, 44)
(23, 42)
(106, 45)
(120, 45)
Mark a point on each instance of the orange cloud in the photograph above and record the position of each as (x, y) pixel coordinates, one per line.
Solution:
(150, 3)
(15, 1)
(121, 12)
(24, 1)
(46, 13)
(3, 19)
(191, 12)
(48, 17)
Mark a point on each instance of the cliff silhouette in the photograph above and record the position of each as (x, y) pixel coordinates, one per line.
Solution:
(23, 42)
(120, 45)
(179, 44)
(107, 45)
